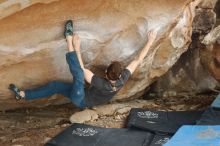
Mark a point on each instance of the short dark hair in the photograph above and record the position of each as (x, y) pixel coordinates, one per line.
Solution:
(114, 70)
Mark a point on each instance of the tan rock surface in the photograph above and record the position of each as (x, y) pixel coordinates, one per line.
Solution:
(211, 54)
(9, 7)
(191, 74)
(108, 110)
(84, 116)
(32, 47)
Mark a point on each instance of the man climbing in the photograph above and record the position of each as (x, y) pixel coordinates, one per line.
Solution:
(101, 89)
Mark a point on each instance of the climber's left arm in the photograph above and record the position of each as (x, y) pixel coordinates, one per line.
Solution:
(87, 73)
(76, 42)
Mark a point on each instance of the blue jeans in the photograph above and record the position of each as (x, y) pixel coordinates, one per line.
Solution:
(74, 91)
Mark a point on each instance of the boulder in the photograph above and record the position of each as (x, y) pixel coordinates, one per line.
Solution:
(211, 53)
(32, 46)
(195, 72)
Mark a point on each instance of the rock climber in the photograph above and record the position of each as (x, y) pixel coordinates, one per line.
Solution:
(101, 89)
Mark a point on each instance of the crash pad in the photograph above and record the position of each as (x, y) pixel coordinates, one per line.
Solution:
(196, 135)
(162, 121)
(85, 135)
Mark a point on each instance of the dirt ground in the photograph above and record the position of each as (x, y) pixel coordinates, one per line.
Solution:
(34, 126)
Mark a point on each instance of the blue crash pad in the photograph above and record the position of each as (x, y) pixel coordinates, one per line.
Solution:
(196, 136)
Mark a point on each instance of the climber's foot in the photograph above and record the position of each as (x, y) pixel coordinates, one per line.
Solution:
(68, 28)
(18, 93)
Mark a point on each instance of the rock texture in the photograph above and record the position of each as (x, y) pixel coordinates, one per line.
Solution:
(9, 7)
(188, 76)
(195, 71)
(32, 47)
(212, 52)
(108, 110)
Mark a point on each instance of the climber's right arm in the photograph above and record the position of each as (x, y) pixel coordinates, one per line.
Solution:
(133, 65)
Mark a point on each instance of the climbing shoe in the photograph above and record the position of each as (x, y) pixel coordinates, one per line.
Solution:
(14, 89)
(68, 28)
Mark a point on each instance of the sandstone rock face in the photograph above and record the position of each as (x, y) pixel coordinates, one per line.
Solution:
(9, 7)
(196, 71)
(32, 46)
(212, 51)
(189, 76)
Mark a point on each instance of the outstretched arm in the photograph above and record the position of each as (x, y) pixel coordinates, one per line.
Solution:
(133, 65)
(87, 73)
(76, 44)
